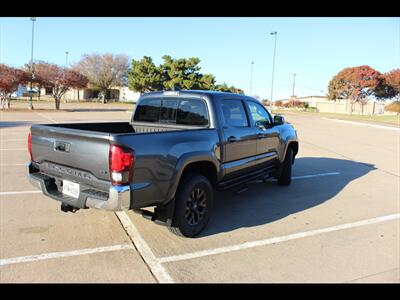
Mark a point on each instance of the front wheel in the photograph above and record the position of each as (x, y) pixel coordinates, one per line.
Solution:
(193, 205)
(285, 175)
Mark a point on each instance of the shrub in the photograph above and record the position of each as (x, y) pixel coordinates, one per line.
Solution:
(312, 109)
(295, 104)
(394, 107)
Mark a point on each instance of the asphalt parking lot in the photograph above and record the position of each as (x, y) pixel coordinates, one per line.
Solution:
(339, 220)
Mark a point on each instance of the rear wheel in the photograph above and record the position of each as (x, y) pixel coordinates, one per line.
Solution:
(193, 205)
(285, 175)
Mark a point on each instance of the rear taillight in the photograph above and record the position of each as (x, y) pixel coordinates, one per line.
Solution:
(121, 161)
(30, 145)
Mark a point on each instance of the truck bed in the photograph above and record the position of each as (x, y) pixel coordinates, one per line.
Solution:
(84, 147)
(121, 127)
(110, 127)
(79, 152)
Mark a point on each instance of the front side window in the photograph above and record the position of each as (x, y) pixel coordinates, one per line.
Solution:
(234, 113)
(258, 113)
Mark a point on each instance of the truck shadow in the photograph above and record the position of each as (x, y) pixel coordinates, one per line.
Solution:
(267, 202)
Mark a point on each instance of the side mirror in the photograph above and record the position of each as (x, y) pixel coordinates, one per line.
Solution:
(279, 120)
(262, 124)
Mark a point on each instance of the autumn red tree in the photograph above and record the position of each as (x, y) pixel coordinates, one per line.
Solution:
(389, 86)
(59, 79)
(392, 79)
(355, 84)
(10, 79)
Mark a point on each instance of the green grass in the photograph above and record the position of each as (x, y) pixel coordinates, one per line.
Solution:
(388, 119)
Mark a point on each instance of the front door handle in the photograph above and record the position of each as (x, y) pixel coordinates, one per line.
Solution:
(260, 136)
(232, 139)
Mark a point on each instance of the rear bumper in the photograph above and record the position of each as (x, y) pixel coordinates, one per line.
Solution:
(118, 197)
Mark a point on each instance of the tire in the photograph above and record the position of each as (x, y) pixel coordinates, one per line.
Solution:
(285, 175)
(193, 206)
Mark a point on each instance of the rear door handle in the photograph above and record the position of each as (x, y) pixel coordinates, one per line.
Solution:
(232, 139)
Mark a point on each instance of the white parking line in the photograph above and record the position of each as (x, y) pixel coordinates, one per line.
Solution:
(154, 263)
(159, 272)
(316, 175)
(11, 165)
(22, 192)
(13, 149)
(46, 117)
(23, 259)
(306, 176)
(276, 240)
(363, 124)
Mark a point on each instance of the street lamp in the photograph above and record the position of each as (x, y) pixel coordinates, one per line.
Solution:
(251, 78)
(33, 19)
(66, 58)
(294, 82)
(275, 33)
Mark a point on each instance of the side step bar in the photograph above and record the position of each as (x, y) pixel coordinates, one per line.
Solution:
(240, 181)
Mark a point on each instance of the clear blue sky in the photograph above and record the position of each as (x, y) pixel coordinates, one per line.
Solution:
(313, 48)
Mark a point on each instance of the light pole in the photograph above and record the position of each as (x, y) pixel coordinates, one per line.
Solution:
(275, 33)
(294, 82)
(251, 78)
(33, 19)
(66, 59)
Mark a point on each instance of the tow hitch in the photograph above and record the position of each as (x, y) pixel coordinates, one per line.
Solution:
(68, 208)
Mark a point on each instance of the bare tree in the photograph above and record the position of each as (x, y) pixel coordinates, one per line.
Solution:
(104, 71)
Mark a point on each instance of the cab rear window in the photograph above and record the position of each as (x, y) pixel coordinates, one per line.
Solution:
(172, 111)
(148, 111)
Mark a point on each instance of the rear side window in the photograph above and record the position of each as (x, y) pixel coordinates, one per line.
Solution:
(172, 111)
(234, 113)
(192, 112)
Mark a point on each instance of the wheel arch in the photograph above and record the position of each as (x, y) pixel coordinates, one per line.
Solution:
(291, 143)
(201, 163)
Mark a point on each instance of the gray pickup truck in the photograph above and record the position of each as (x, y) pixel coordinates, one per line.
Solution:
(177, 150)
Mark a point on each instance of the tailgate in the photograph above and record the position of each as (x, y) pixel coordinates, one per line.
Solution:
(75, 154)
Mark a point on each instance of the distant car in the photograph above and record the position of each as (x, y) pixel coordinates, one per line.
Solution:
(21, 91)
(179, 148)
